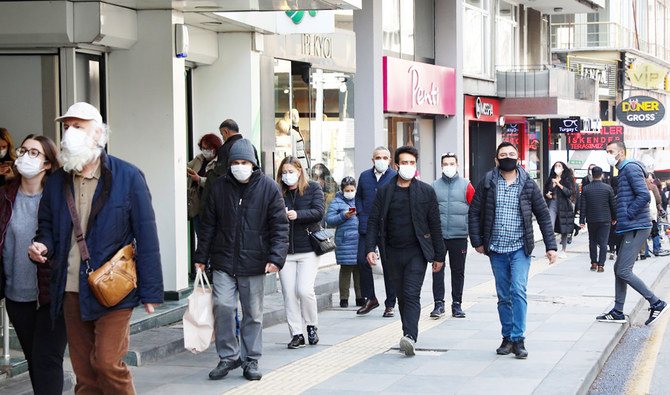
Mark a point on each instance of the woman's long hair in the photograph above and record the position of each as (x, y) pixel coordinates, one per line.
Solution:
(302, 181)
(4, 135)
(50, 153)
(567, 180)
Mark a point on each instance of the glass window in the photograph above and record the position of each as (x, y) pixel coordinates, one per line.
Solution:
(391, 26)
(424, 29)
(407, 27)
(476, 41)
(506, 37)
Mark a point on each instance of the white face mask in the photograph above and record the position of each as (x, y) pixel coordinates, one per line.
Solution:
(612, 160)
(27, 166)
(349, 195)
(79, 149)
(558, 170)
(381, 165)
(241, 172)
(449, 171)
(3, 152)
(318, 172)
(290, 179)
(208, 154)
(406, 172)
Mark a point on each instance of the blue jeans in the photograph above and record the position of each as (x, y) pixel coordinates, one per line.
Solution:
(511, 274)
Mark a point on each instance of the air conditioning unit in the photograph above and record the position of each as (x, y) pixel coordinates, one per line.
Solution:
(104, 24)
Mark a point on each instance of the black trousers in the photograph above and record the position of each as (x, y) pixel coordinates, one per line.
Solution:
(42, 344)
(458, 250)
(599, 233)
(367, 282)
(408, 268)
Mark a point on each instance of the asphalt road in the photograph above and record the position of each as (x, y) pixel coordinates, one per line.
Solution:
(640, 364)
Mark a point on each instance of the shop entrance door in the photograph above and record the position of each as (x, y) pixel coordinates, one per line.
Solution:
(482, 149)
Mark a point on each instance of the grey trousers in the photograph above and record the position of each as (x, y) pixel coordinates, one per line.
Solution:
(250, 290)
(629, 248)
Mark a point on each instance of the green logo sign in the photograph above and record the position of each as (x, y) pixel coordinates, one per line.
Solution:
(296, 16)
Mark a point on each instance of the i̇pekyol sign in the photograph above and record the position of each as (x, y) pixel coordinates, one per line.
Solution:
(418, 88)
(565, 125)
(640, 111)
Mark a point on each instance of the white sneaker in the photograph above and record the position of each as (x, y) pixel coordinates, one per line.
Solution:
(562, 255)
(407, 345)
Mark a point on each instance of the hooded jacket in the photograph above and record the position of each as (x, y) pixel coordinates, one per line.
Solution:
(632, 198)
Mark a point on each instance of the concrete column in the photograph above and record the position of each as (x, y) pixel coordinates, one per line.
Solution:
(229, 88)
(449, 30)
(369, 84)
(147, 98)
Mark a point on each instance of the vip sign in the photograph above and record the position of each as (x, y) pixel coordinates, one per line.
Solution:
(646, 76)
(640, 111)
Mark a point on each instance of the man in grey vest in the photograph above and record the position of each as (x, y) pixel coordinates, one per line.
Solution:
(454, 194)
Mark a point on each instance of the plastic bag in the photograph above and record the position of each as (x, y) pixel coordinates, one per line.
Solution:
(199, 316)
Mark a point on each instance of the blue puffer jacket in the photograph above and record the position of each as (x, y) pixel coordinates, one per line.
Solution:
(632, 205)
(346, 235)
(121, 213)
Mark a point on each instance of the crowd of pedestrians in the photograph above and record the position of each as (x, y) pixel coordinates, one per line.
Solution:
(74, 210)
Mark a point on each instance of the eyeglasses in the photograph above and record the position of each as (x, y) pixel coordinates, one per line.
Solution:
(32, 152)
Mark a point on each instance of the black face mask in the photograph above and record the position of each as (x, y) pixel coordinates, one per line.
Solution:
(507, 164)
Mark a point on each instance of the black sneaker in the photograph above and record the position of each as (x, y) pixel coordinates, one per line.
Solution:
(407, 345)
(612, 316)
(344, 303)
(505, 347)
(360, 302)
(655, 311)
(251, 370)
(298, 341)
(222, 369)
(312, 337)
(438, 311)
(519, 349)
(456, 310)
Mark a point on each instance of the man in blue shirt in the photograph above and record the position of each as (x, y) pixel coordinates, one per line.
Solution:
(500, 226)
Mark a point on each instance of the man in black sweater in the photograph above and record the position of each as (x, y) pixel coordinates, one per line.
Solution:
(407, 216)
(598, 209)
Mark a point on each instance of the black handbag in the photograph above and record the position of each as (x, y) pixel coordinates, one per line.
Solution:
(322, 241)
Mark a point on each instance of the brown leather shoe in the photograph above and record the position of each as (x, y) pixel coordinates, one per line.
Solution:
(594, 267)
(601, 269)
(388, 312)
(368, 306)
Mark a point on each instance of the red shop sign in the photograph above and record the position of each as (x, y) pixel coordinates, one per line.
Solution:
(594, 141)
(418, 88)
(481, 109)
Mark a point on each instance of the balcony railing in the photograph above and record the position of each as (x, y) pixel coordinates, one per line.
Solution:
(601, 35)
(544, 82)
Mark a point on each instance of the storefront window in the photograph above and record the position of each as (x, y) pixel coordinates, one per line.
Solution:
(417, 132)
(506, 37)
(476, 43)
(533, 143)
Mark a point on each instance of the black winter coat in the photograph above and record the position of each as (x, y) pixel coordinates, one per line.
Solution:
(565, 220)
(482, 213)
(425, 213)
(244, 227)
(598, 203)
(311, 208)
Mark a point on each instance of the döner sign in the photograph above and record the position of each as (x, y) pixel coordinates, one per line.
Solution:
(640, 111)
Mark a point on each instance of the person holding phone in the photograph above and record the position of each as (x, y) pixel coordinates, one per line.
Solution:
(7, 157)
(560, 193)
(342, 214)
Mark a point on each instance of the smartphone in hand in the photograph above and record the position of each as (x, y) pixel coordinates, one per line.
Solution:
(352, 210)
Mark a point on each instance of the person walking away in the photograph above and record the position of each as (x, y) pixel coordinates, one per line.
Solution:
(25, 285)
(342, 215)
(560, 193)
(406, 215)
(112, 200)
(305, 208)
(634, 224)
(501, 226)
(454, 195)
(244, 235)
(369, 182)
(598, 209)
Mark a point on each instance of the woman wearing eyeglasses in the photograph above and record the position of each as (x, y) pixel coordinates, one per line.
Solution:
(24, 285)
(342, 214)
(560, 192)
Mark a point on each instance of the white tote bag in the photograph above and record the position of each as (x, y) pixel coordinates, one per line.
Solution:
(199, 316)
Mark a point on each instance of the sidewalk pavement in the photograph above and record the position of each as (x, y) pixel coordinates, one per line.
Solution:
(359, 354)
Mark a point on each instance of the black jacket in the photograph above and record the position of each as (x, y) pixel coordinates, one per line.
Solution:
(243, 227)
(598, 203)
(425, 214)
(565, 220)
(311, 208)
(482, 212)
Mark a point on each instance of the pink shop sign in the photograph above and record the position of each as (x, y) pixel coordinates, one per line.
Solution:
(418, 88)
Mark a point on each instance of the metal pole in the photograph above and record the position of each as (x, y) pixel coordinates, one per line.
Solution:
(5, 333)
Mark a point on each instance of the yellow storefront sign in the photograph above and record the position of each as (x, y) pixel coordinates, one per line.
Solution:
(646, 76)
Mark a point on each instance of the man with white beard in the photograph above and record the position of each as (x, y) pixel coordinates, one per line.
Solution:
(113, 205)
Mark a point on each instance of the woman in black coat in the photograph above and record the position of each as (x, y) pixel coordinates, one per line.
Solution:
(305, 208)
(560, 193)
